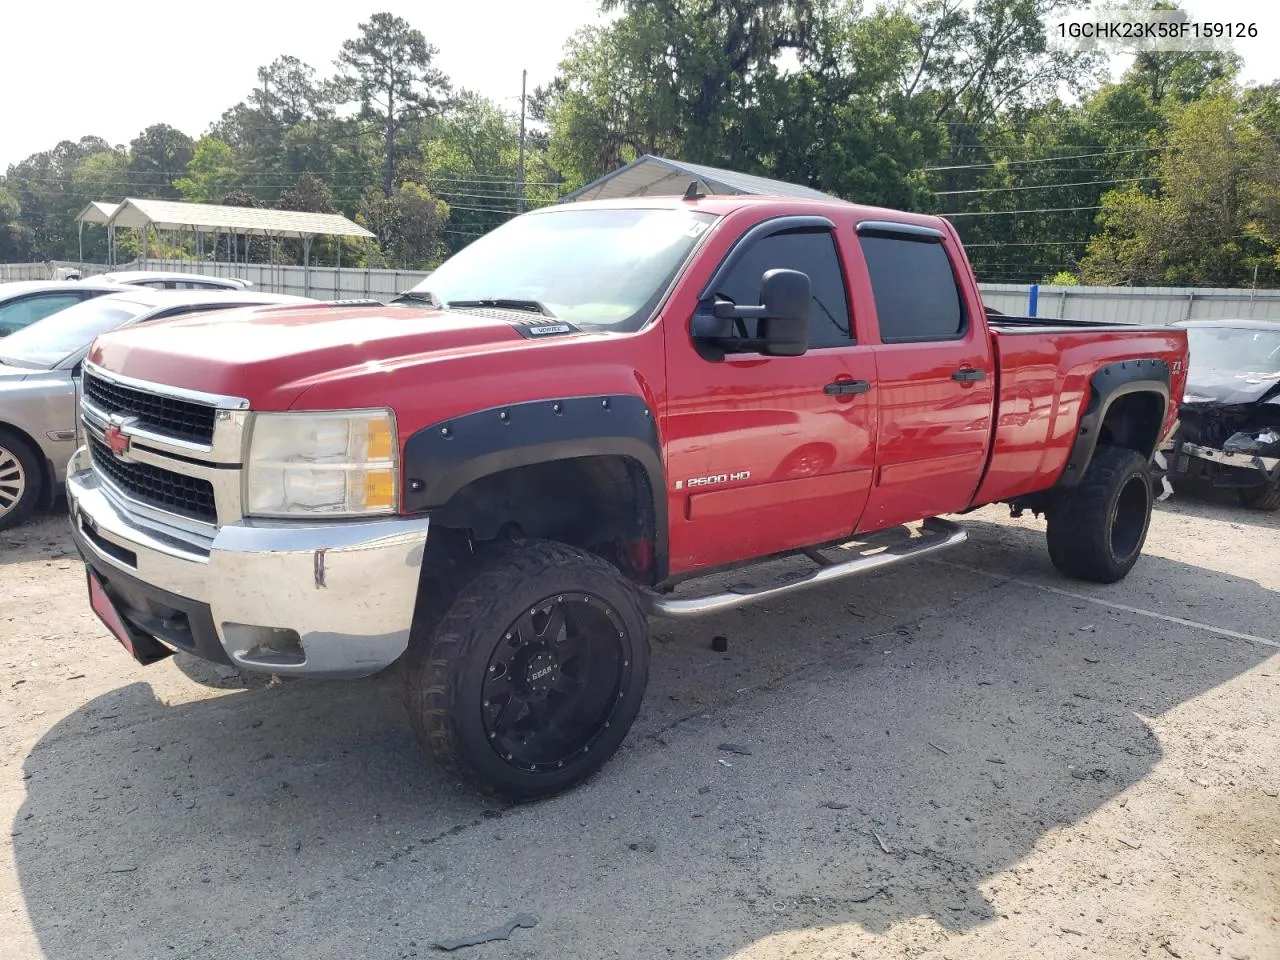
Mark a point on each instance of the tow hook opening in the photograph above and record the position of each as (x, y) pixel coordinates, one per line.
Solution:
(268, 646)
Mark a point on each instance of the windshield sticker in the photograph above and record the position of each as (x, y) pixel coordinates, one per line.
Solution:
(696, 229)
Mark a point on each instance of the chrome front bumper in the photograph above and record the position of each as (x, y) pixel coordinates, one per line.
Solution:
(331, 600)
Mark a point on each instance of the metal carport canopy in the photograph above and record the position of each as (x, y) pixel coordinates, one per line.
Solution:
(172, 215)
(97, 212)
(652, 176)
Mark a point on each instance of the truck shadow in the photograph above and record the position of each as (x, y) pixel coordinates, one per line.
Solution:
(891, 759)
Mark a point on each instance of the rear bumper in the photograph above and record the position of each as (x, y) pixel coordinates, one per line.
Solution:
(305, 599)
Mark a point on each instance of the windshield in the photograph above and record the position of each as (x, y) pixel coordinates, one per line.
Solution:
(599, 269)
(48, 342)
(1235, 350)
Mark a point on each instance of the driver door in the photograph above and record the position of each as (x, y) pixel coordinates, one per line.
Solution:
(766, 454)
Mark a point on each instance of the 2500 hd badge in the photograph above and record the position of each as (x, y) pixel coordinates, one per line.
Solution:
(714, 479)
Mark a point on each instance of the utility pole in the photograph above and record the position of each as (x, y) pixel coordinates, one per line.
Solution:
(524, 76)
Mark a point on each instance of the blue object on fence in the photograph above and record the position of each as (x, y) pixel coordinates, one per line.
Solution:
(1033, 298)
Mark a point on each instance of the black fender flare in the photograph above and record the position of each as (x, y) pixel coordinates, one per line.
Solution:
(1107, 385)
(443, 458)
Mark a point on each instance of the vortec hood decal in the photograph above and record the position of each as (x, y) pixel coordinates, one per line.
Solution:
(539, 328)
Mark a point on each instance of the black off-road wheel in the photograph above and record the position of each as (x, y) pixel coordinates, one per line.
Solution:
(1096, 531)
(531, 679)
(21, 480)
(1261, 498)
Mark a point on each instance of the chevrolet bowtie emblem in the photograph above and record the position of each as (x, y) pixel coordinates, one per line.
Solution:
(117, 440)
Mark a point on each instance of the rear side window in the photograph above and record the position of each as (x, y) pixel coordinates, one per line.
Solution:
(812, 252)
(915, 290)
(18, 314)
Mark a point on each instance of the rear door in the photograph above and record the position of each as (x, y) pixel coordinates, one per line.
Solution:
(936, 378)
(770, 453)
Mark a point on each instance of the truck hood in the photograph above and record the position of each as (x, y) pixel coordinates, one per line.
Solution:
(270, 355)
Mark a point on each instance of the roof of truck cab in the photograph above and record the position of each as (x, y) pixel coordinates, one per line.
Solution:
(724, 204)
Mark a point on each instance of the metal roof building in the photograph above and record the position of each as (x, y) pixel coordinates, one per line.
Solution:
(652, 176)
(200, 218)
(97, 212)
(243, 221)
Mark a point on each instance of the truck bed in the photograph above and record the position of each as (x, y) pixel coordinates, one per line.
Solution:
(1016, 325)
(1043, 374)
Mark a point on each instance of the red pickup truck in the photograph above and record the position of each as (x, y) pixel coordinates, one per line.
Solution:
(493, 481)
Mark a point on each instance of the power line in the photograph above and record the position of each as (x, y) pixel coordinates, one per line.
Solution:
(1030, 243)
(1045, 186)
(243, 179)
(998, 213)
(1079, 156)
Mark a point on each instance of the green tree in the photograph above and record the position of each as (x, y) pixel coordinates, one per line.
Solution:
(211, 174)
(1210, 221)
(471, 160)
(157, 157)
(44, 186)
(409, 225)
(388, 71)
(615, 99)
(311, 195)
(14, 237)
(842, 124)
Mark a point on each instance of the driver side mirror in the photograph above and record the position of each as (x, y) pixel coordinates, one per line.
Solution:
(786, 300)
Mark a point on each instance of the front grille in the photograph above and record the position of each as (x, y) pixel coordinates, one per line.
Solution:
(183, 419)
(155, 486)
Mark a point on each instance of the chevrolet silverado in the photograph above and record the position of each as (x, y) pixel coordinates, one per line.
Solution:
(491, 483)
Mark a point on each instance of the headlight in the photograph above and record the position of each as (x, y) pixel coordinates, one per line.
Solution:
(327, 464)
(1195, 398)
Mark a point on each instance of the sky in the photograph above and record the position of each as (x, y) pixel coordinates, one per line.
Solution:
(110, 70)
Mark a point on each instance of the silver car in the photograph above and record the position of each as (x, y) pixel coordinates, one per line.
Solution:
(23, 302)
(174, 280)
(39, 381)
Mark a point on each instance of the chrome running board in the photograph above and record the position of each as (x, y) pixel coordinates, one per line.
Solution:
(935, 534)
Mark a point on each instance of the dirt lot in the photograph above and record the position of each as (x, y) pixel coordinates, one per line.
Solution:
(968, 758)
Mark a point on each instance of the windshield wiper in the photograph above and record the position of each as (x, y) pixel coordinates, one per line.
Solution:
(533, 306)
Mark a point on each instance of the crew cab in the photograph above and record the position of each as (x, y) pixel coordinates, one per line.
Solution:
(492, 483)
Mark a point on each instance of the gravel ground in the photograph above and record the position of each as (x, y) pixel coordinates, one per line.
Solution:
(965, 758)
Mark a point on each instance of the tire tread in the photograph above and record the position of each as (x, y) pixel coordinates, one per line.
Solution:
(431, 675)
(1078, 533)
